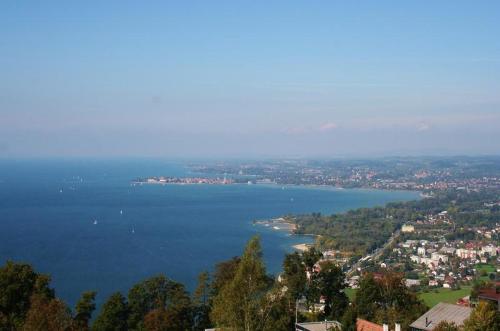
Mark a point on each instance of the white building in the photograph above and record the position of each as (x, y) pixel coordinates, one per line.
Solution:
(407, 228)
(412, 282)
(490, 249)
(465, 253)
(439, 257)
(415, 258)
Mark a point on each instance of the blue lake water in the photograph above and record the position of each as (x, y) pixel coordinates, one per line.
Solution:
(48, 209)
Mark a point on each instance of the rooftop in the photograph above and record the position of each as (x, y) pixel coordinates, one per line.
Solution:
(364, 325)
(489, 293)
(442, 312)
(317, 326)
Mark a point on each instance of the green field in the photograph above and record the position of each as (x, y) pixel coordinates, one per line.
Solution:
(487, 267)
(444, 295)
(351, 293)
(431, 298)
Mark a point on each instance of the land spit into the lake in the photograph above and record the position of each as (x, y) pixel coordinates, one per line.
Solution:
(279, 223)
(283, 224)
(162, 180)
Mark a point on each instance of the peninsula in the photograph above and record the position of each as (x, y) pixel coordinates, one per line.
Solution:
(183, 180)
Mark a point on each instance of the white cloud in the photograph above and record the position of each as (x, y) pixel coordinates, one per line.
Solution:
(423, 127)
(328, 126)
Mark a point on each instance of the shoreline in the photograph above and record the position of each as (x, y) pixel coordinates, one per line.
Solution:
(277, 185)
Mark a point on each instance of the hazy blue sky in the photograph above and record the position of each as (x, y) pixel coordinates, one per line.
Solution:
(249, 78)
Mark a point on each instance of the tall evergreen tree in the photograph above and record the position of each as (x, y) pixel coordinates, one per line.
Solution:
(331, 282)
(310, 257)
(294, 275)
(368, 297)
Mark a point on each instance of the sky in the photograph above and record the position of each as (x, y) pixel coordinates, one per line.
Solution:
(249, 78)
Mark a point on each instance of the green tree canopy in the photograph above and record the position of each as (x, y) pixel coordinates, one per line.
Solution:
(201, 302)
(294, 275)
(114, 314)
(83, 310)
(483, 318)
(223, 275)
(387, 300)
(238, 305)
(331, 283)
(446, 326)
(368, 297)
(18, 283)
(159, 292)
(47, 314)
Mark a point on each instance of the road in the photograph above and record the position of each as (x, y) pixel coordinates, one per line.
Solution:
(375, 255)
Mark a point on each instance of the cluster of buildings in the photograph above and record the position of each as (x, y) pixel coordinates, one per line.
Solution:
(385, 174)
(445, 263)
(183, 180)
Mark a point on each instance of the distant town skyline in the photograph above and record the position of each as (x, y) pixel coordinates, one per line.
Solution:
(260, 79)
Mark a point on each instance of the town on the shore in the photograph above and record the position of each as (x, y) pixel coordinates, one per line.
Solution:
(427, 264)
(448, 257)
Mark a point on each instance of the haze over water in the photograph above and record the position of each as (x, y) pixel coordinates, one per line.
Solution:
(48, 210)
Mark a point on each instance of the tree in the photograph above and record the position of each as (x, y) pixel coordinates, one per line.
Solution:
(483, 318)
(223, 275)
(387, 300)
(18, 283)
(294, 275)
(178, 309)
(446, 326)
(83, 310)
(156, 320)
(159, 293)
(275, 313)
(114, 314)
(349, 319)
(201, 304)
(368, 297)
(398, 303)
(310, 257)
(238, 304)
(47, 314)
(331, 282)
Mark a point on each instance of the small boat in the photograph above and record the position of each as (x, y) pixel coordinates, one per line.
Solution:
(121, 212)
(276, 228)
(133, 231)
(95, 222)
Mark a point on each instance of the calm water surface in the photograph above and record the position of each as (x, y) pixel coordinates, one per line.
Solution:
(82, 221)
